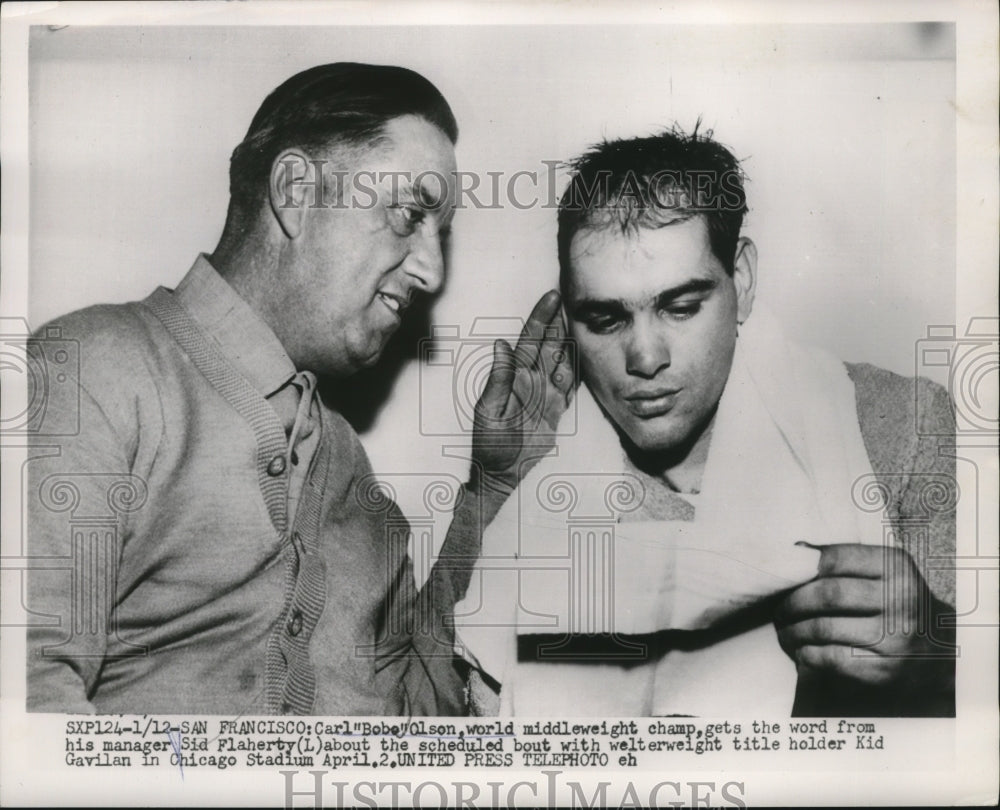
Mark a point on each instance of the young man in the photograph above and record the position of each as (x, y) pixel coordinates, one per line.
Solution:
(204, 532)
(738, 524)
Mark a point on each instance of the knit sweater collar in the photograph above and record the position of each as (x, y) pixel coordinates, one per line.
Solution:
(237, 330)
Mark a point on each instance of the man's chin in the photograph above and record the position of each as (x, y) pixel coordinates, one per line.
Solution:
(369, 361)
(654, 444)
(652, 435)
(665, 434)
(355, 362)
(376, 348)
(656, 447)
(372, 359)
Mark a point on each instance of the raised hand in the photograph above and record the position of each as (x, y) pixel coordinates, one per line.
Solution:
(528, 390)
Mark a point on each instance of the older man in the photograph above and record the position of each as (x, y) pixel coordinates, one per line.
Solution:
(247, 568)
(739, 524)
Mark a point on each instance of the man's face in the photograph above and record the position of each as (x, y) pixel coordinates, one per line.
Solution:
(654, 315)
(358, 262)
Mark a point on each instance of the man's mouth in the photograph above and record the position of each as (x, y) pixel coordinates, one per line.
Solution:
(394, 303)
(652, 403)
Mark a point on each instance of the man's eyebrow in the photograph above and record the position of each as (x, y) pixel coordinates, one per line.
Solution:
(614, 306)
(599, 306)
(694, 286)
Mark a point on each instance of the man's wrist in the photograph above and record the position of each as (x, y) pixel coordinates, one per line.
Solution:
(486, 483)
(491, 490)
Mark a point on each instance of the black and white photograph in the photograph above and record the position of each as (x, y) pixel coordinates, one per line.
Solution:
(499, 406)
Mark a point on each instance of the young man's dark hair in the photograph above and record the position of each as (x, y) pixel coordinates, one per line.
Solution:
(651, 182)
(344, 103)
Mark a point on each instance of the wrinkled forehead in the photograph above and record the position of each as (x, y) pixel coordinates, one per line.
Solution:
(414, 162)
(417, 141)
(655, 237)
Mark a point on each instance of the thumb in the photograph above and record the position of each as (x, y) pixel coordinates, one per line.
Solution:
(496, 392)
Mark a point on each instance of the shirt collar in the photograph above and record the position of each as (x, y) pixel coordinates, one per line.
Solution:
(239, 331)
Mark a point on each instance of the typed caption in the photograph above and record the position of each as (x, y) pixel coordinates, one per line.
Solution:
(344, 744)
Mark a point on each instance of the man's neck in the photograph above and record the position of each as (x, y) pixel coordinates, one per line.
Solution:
(248, 267)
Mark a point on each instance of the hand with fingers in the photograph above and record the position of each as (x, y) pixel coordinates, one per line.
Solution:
(868, 616)
(528, 390)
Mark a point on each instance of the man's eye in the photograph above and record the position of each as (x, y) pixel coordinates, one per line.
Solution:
(405, 218)
(683, 311)
(602, 325)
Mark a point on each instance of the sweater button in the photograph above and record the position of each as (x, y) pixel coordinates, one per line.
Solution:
(295, 624)
(276, 466)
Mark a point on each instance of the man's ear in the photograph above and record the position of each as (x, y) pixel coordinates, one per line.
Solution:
(294, 182)
(745, 277)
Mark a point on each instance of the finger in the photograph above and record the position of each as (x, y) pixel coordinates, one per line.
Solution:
(832, 596)
(567, 371)
(533, 334)
(562, 375)
(493, 401)
(852, 560)
(569, 395)
(553, 346)
(854, 631)
(560, 353)
(847, 662)
(526, 398)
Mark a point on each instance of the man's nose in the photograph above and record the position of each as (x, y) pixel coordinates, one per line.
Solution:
(425, 264)
(647, 351)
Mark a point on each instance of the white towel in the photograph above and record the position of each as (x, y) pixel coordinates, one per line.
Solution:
(563, 557)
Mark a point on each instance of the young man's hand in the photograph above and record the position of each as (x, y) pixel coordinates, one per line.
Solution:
(868, 616)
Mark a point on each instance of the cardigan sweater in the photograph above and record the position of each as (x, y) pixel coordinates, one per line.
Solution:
(167, 576)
